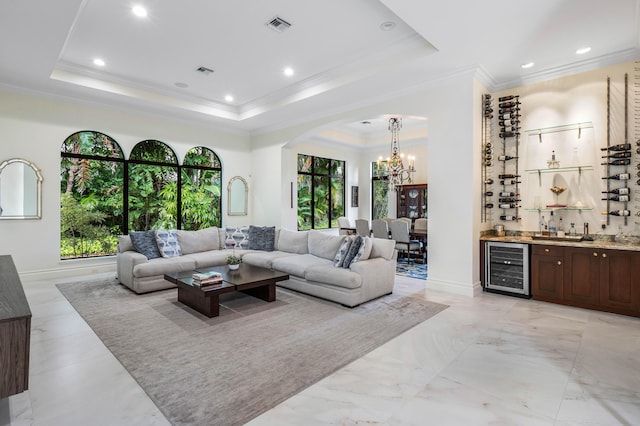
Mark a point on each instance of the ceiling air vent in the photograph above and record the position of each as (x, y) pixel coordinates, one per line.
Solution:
(204, 70)
(278, 24)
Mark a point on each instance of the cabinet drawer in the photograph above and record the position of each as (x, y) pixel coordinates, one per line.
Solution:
(543, 250)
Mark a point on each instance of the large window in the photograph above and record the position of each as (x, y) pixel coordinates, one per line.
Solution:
(104, 195)
(321, 192)
(379, 191)
(91, 195)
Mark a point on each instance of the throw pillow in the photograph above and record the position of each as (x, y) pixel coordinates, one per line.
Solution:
(198, 241)
(145, 243)
(353, 250)
(237, 237)
(338, 261)
(167, 242)
(360, 255)
(261, 237)
(125, 244)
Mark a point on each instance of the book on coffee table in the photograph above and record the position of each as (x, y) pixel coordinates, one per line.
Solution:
(206, 278)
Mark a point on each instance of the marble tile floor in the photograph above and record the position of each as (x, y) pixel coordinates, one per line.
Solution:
(486, 360)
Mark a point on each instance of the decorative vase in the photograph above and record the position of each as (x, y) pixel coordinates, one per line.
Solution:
(234, 267)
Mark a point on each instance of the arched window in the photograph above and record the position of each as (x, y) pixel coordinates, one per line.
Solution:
(152, 187)
(201, 187)
(92, 200)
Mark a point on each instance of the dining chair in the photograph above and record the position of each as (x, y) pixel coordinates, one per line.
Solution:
(400, 233)
(420, 225)
(362, 227)
(380, 228)
(406, 219)
(343, 223)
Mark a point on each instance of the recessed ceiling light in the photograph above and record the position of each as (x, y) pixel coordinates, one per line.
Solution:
(387, 26)
(139, 11)
(228, 98)
(181, 84)
(288, 71)
(527, 65)
(583, 50)
(99, 62)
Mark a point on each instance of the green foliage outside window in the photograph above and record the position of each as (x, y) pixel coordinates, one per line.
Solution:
(380, 191)
(321, 192)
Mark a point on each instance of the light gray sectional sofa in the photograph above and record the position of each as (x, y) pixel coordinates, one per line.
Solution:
(307, 256)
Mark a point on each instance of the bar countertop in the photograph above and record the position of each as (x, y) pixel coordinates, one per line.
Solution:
(605, 242)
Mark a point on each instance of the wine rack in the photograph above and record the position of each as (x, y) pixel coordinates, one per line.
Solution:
(615, 157)
(636, 125)
(509, 178)
(487, 158)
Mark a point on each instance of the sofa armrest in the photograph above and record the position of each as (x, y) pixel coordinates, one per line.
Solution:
(378, 275)
(126, 261)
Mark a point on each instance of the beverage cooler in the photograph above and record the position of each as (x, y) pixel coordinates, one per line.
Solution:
(506, 268)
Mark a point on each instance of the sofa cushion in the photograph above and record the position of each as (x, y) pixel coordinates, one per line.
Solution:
(264, 259)
(324, 245)
(353, 251)
(161, 266)
(364, 252)
(237, 236)
(167, 242)
(293, 241)
(206, 259)
(125, 244)
(198, 241)
(297, 265)
(145, 243)
(338, 260)
(383, 247)
(339, 277)
(262, 237)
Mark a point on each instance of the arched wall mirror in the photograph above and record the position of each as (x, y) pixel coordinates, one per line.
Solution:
(238, 196)
(20, 190)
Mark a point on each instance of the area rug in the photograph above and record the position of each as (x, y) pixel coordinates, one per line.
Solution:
(229, 369)
(413, 270)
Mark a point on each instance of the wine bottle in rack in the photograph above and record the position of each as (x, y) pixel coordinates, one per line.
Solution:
(508, 200)
(508, 194)
(623, 198)
(508, 205)
(507, 98)
(638, 182)
(489, 115)
(488, 163)
(506, 158)
(514, 182)
(508, 115)
(509, 104)
(488, 205)
(621, 154)
(637, 150)
(508, 134)
(619, 147)
(510, 122)
(510, 129)
(618, 213)
(512, 111)
(620, 191)
(488, 181)
(619, 162)
(619, 176)
(508, 176)
(488, 193)
(509, 217)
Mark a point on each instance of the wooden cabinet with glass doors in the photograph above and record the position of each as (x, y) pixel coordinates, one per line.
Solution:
(411, 201)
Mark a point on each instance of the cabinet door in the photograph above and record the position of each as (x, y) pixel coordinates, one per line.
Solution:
(547, 273)
(582, 276)
(620, 280)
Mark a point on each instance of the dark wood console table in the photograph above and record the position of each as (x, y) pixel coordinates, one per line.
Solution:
(15, 331)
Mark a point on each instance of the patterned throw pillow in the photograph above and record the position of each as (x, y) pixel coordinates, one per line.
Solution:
(237, 237)
(342, 253)
(261, 237)
(360, 255)
(145, 242)
(167, 242)
(353, 250)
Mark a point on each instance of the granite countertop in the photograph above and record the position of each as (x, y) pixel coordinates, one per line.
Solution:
(600, 242)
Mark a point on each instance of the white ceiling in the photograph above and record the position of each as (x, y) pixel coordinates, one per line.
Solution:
(340, 55)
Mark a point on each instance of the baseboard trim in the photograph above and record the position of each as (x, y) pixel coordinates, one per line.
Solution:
(462, 289)
(69, 270)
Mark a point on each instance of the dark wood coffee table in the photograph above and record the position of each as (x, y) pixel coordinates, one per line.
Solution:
(253, 280)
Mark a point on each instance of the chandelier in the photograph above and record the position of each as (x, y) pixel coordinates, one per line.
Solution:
(394, 168)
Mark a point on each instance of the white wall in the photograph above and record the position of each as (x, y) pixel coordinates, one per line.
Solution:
(35, 128)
